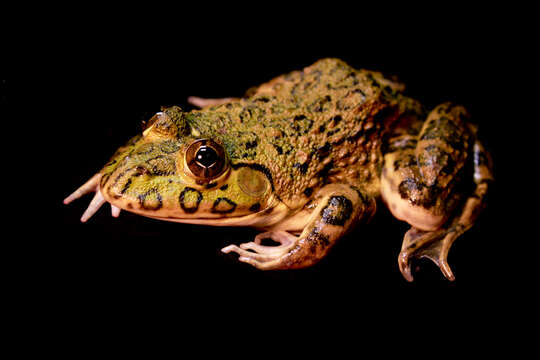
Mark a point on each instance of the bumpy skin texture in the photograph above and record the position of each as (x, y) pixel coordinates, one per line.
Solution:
(304, 157)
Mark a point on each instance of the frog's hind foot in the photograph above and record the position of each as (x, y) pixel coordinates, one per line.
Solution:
(426, 181)
(433, 245)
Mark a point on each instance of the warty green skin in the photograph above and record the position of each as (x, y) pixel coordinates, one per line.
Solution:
(308, 153)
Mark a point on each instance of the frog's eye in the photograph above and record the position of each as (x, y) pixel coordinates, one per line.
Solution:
(205, 159)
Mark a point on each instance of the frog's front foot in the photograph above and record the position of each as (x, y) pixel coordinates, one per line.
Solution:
(337, 209)
(91, 185)
(266, 257)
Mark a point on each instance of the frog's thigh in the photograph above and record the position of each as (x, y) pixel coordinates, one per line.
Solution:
(420, 171)
(406, 195)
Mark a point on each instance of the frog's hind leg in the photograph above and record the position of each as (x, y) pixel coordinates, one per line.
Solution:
(435, 245)
(425, 184)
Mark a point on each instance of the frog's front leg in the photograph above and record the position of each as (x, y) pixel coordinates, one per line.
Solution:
(335, 210)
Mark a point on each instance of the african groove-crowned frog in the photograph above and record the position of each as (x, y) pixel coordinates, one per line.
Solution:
(304, 158)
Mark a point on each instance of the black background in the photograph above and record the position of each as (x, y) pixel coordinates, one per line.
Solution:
(91, 96)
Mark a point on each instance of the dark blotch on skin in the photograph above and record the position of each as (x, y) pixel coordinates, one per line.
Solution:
(417, 193)
(336, 119)
(308, 191)
(407, 186)
(406, 160)
(210, 186)
(325, 170)
(126, 186)
(255, 207)
(263, 99)
(323, 151)
(317, 239)
(354, 137)
(443, 129)
(338, 141)
(383, 115)
(221, 211)
(224, 187)
(142, 200)
(302, 167)
(332, 132)
(192, 209)
(337, 211)
(318, 106)
(251, 144)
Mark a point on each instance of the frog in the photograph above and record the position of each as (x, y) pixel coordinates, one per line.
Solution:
(304, 159)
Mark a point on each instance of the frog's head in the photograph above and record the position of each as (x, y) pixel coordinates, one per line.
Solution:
(173, 172)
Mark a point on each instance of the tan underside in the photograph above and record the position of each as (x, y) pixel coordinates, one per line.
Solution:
(402, 209)
(280, 218)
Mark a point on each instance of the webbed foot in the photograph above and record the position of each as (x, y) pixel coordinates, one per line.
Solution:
(433, 245)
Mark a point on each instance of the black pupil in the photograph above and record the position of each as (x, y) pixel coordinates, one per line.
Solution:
(206, 156)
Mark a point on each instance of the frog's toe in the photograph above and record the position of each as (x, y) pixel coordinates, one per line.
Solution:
(248, 255)
(115, 211)
(433, 245)
(94, 206)
(262, 249)
(262, 256)
(91, 185)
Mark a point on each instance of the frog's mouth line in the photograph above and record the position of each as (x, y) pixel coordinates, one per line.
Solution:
(270, 215)
(243, 220)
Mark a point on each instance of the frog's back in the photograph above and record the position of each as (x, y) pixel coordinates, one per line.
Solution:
(309, 127)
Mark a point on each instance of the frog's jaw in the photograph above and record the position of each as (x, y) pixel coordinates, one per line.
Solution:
(206, 213)
(264, 219)
(243, 191)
